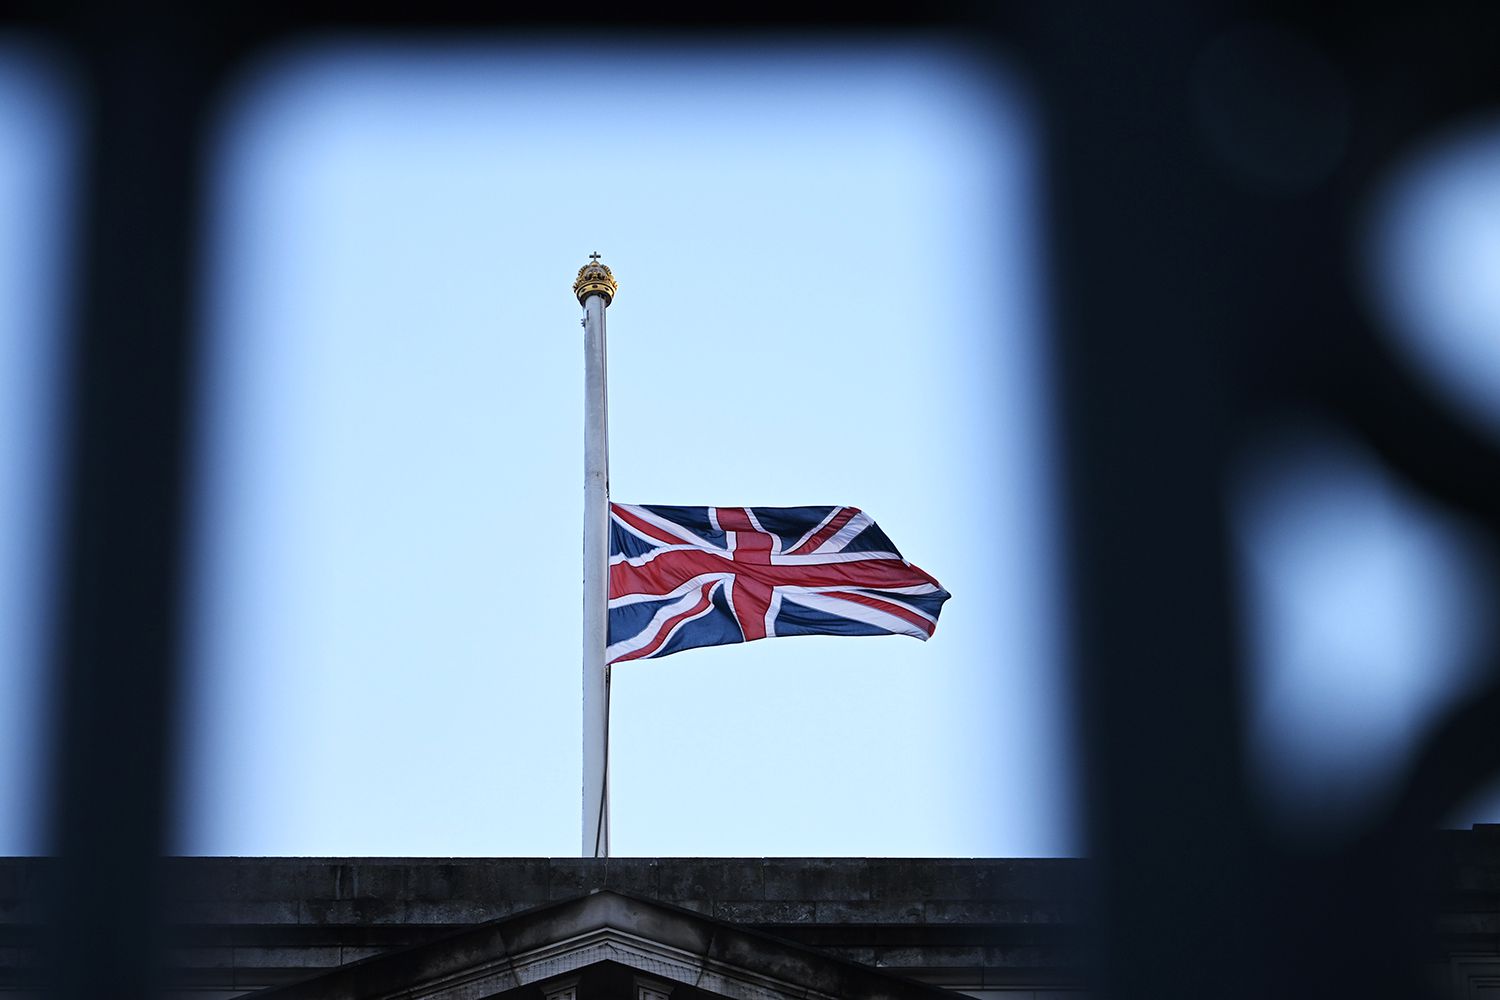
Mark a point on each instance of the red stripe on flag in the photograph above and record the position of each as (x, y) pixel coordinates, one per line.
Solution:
(671, 570)
(752, 599)
(828, 530)
(889, 607)
(750, 545)
(665, 632)
(733, 519)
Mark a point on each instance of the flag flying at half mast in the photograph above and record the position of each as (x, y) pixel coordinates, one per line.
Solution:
(681, 577)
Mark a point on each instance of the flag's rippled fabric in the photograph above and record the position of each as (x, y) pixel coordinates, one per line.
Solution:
(681, 577)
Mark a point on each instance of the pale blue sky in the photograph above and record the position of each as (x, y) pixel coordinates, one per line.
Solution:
(827, 296)
(831, 292)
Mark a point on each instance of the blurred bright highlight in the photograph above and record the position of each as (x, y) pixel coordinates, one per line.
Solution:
(1434, 267)
(1367, 611)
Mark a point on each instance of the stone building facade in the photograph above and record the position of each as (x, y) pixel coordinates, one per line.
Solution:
(668, 928)
(858, 927)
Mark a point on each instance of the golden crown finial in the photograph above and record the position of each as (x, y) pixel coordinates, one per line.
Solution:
(595, 279)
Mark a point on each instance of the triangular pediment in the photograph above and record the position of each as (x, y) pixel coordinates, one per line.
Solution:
(603, 946)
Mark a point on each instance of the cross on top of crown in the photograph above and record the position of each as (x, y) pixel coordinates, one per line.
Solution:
(594, 278)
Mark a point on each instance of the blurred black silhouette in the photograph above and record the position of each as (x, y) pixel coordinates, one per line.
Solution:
(1206, 166)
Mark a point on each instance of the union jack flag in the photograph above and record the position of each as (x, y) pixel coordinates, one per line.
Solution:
(681, 577)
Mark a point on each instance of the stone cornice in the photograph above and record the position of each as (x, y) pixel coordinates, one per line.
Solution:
(669, 944)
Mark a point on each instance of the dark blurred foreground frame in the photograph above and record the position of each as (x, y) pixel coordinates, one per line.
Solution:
(1201, 278)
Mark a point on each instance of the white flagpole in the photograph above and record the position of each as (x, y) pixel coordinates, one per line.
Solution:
(595, 288)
